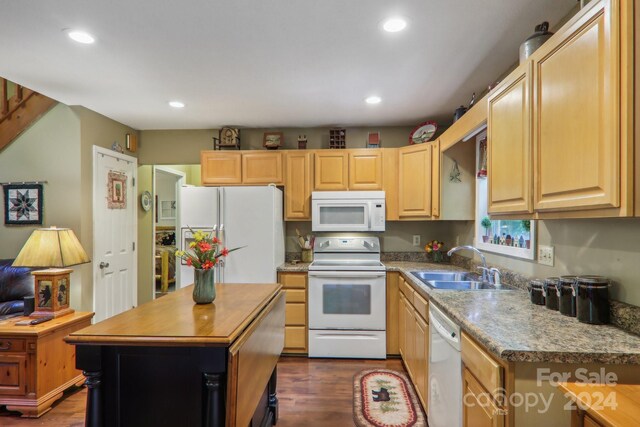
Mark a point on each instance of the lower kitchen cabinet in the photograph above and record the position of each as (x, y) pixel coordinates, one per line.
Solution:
(413, 315)
(295, 329)
(479, 410)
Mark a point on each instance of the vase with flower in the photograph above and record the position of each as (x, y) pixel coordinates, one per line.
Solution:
(434, 248)
(204, 255)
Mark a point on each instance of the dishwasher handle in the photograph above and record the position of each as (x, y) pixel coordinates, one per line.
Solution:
(452, 337)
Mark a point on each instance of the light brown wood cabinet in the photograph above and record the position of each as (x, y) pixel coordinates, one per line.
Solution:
(478, 410)
(393, 297)
(414, 181)
(298, 185)
(295, 329)
(581, 132)
(509, 152)
(365, 169)
(249, 167)
(221, 167)
(331, 170)
(414, 337)
(436, 161)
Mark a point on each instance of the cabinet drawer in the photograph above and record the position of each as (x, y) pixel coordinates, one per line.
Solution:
(421, 305)
(296, 295)
(295, 314)
(295, 338)
(13, 374)
(406, 289)
(293, 280)
(484, 367)
(12, 345)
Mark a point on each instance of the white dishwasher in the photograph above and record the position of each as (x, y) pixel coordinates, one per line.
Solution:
(445, 371)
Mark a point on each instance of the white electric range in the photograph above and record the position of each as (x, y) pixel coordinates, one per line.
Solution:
(347, 299)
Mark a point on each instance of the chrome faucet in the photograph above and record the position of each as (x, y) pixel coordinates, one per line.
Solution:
(484, 268)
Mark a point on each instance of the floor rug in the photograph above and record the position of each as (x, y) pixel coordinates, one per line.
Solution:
(385, 398)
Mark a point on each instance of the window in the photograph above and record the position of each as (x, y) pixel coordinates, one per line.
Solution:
(508, 237)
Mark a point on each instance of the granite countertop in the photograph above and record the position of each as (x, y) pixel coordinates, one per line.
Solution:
(514, 329)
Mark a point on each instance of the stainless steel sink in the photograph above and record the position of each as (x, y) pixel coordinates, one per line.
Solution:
(459, 285)
(426, 276)
(453, 280)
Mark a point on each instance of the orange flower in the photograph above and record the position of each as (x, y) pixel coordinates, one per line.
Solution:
(189, 262)
(224, 252)
(204, 247)
(207, 265)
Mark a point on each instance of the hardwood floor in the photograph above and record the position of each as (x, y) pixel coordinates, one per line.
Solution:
(312, 392)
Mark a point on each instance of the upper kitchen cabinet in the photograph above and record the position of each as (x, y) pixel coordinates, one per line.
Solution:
(221, 167)
(241, 167)
(414, 181)
(365, 169)
(298, 185)
(331, 170)
(577, 112)
(509, 144)
(581, 125)
(262, 167)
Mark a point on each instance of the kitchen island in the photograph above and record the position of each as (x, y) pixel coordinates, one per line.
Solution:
(172, 362)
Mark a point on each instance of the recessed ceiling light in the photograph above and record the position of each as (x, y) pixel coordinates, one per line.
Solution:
(81, 37)
(373, 100)
(393, 25)
(176, 104)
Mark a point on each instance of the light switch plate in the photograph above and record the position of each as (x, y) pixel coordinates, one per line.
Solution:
(416, 240)
(545, 255)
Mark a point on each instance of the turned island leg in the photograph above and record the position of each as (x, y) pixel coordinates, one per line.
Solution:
(93, 417)
(214, 409)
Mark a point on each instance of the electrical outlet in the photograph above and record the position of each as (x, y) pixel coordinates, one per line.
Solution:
(416, 240)
(545, 255)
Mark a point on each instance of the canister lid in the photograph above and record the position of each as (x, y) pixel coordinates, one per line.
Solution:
(536, 284)
(592, 281)
(551, 282)
(567, 281)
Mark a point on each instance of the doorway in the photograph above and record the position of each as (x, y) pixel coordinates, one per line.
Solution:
(166, 184)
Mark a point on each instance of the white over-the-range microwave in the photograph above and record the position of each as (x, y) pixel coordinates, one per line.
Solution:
(347, 211)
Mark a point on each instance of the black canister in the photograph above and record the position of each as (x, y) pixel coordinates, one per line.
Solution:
(536, 291)
(551, 292)
(592, 299)
(567, 296)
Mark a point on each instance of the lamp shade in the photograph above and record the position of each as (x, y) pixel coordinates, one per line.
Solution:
(51, 247)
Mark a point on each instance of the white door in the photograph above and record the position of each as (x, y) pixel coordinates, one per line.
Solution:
(114, 233)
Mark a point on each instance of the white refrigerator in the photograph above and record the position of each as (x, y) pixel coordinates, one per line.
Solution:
(240, 216)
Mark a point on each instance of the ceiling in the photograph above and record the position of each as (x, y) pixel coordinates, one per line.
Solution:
(266, 63)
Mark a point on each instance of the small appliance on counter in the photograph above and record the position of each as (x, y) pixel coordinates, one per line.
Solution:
(347, 299)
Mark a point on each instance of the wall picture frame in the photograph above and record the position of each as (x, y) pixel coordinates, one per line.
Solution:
(23, 204)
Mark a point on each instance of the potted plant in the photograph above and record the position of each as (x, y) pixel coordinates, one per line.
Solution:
(203, 256)
(526, 224)
(486, 224)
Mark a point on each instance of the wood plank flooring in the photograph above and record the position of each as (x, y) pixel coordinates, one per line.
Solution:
(312, 392)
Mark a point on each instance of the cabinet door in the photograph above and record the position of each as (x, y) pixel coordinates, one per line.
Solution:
(221, 168)
(414, 181)
(261, 167)
(478, 410)
(390, 181)
(297, 188)
(13, 374)
(509, 144)
(392, 313)
(331, 168)
(435, 179)
(421, 358)
(410, 339)
(577, 114)
(365, 169)
(402, 332)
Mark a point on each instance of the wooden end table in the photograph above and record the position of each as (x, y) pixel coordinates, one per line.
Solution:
(36, 365)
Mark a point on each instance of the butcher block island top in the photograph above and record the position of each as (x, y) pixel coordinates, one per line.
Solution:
(215, 363)
(175, 320)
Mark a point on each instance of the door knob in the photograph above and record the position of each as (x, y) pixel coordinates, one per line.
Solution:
(103, 265)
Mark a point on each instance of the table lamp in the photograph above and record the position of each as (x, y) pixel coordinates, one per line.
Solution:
(57, 248)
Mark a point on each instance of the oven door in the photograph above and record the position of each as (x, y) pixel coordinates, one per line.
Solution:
(340, 215)
(347, 300)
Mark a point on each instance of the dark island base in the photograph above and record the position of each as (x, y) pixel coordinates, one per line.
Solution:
(162, 386)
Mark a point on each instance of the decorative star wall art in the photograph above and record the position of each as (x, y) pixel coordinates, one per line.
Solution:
(23, 204)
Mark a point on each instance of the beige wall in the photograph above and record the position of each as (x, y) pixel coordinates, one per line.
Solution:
(145, 240)
(48, 151)
(168, 147)
(607, 247)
